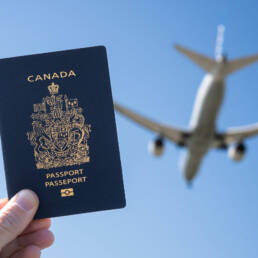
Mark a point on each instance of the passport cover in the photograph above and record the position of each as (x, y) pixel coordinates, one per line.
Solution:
(58, 131)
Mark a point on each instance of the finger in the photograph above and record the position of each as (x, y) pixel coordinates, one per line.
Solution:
(28, 252)
(16, 215)
(42, 239)
(37, 225)
(3, 202)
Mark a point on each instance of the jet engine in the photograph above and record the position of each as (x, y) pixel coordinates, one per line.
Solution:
(237, 152)
(156, 147)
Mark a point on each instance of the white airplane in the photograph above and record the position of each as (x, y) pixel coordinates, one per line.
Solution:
(202, 134)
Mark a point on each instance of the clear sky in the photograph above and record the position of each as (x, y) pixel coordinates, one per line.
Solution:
(163, 218)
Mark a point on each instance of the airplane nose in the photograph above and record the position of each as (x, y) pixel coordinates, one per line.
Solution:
(190, 163)
(189, 184)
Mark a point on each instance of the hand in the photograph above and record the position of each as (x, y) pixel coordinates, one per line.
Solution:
(20, 237)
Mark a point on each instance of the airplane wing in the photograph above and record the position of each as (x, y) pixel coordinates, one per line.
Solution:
(176, 135)
(236, 134)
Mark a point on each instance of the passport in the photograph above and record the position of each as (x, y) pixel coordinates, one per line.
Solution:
(58, 131)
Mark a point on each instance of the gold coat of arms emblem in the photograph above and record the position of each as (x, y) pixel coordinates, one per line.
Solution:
(59, 134)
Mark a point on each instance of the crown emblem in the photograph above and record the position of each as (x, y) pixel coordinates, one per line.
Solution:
(53, 88)
(59, 133)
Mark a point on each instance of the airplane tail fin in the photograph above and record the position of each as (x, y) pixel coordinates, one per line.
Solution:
(204, 62)
(240, 63)
(219, 43)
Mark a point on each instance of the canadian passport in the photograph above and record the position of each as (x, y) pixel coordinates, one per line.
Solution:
(58, 131)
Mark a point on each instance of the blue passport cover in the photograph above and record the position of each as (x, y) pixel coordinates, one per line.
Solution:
(58, 131)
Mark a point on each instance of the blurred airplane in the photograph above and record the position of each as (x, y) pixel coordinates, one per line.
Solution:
(202, 134)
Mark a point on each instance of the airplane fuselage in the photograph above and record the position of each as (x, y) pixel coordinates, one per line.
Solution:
(203, 121)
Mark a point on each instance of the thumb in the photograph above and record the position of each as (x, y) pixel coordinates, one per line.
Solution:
(16, 215)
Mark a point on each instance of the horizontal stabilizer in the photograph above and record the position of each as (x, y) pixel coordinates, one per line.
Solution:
(204, 62)
(240, 63)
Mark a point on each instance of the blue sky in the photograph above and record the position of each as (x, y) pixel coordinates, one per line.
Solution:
(163, 218)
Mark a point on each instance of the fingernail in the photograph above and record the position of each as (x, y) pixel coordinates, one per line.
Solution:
(27, 200)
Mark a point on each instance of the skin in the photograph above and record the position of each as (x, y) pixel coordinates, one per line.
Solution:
(20, 235)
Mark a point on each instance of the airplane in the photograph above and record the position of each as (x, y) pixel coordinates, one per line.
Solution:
(202, 134)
